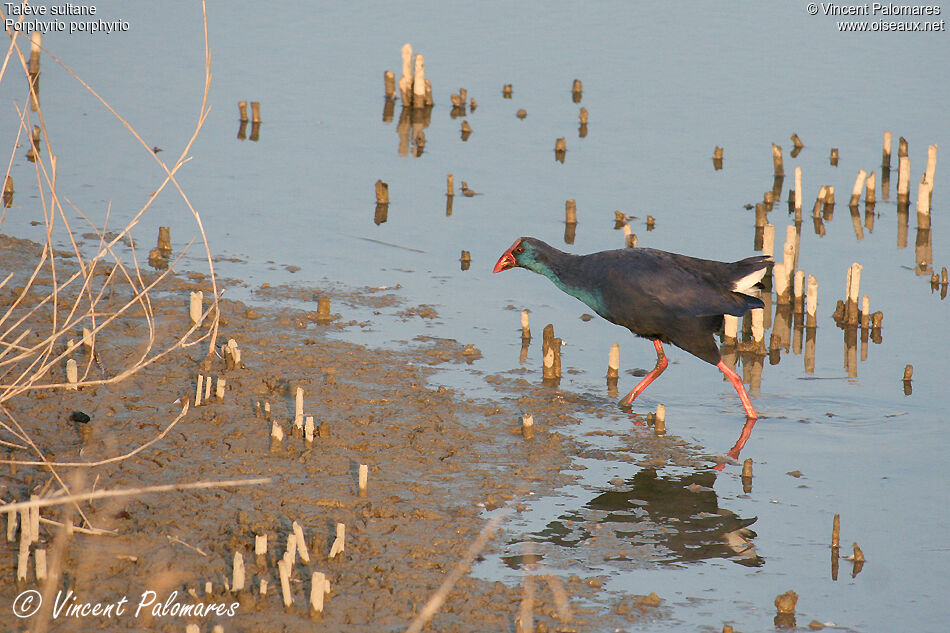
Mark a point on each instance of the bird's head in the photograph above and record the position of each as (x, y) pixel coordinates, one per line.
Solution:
(524, 253)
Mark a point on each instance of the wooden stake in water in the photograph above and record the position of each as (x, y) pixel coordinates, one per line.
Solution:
(382, 192)
(798, 289)
(550, 353)
(853, 287)
(308, 428)
(255, 112)
(613, 362)
(11, 525)
(792, 238)
(747, 469)
(199, 390)
(405, 81)
(363, 479)
(195, 301)
(389, 85)
(931, 165)
(659, 421)
(525, 325)
(283, 569)
(923, 204)
(260, 545)
(836, 531)
(298, 408)
(301, 543)
(36, 46)
(8, 192)
(527, 426)
(758, 326)
(858, 555)
(577, 90)
(318, 582)
(798, 190)
(276, 435)
(238, 575)
(903, 180)
(629, 237)
(768, 240)
(777, 165)
(242, 111)
(730, 329)
(290, 553)
(886, 152)
(780, 282)
(811, 302)
(833, 159)
(856, 189)
(870, 194)
(72, 373)
(338, 543)
(219, 389)
(419, 83)
(23, 558)
(39, 562)
(865, 312)
(570, 212)
(450, 185)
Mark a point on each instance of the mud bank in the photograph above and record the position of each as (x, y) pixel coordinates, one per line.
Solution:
(438, 465)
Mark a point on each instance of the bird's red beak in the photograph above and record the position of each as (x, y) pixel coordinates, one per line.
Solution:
(507, 260)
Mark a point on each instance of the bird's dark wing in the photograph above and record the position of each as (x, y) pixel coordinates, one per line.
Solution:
(651, 283)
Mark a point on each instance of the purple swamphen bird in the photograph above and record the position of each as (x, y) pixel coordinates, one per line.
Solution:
(662, 296)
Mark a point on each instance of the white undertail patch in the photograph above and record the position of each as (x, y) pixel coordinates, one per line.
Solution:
(748, 282)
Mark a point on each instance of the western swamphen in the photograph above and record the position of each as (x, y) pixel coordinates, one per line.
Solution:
(662, 296)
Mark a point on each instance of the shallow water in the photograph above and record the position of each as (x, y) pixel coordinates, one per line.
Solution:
(664, 85)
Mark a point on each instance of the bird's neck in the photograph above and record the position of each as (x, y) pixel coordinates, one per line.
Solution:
(561, 268)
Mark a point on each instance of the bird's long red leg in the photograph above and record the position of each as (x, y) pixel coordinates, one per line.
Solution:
(660, 366)
(737, 383)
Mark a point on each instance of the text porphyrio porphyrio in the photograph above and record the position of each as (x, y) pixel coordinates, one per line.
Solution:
(662, 296)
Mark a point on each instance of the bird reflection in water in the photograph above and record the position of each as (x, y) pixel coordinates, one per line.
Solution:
(678, 516)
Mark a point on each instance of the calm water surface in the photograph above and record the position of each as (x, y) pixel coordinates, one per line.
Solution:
(664, 85)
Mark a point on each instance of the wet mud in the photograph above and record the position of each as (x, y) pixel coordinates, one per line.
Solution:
(439, 464)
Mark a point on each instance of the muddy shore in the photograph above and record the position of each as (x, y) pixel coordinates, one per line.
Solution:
(439, 464)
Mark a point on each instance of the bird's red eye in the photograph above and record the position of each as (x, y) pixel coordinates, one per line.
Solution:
(519, 250)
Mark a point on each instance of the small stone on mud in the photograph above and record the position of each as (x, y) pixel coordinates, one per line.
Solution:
(252, 314)
(794, 473)
(586, 317)
(79, 416)
(815, 625)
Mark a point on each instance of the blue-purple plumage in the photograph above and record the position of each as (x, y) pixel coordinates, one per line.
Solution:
(655, 294)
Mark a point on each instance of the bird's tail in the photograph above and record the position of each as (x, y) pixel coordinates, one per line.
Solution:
(749, 273)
